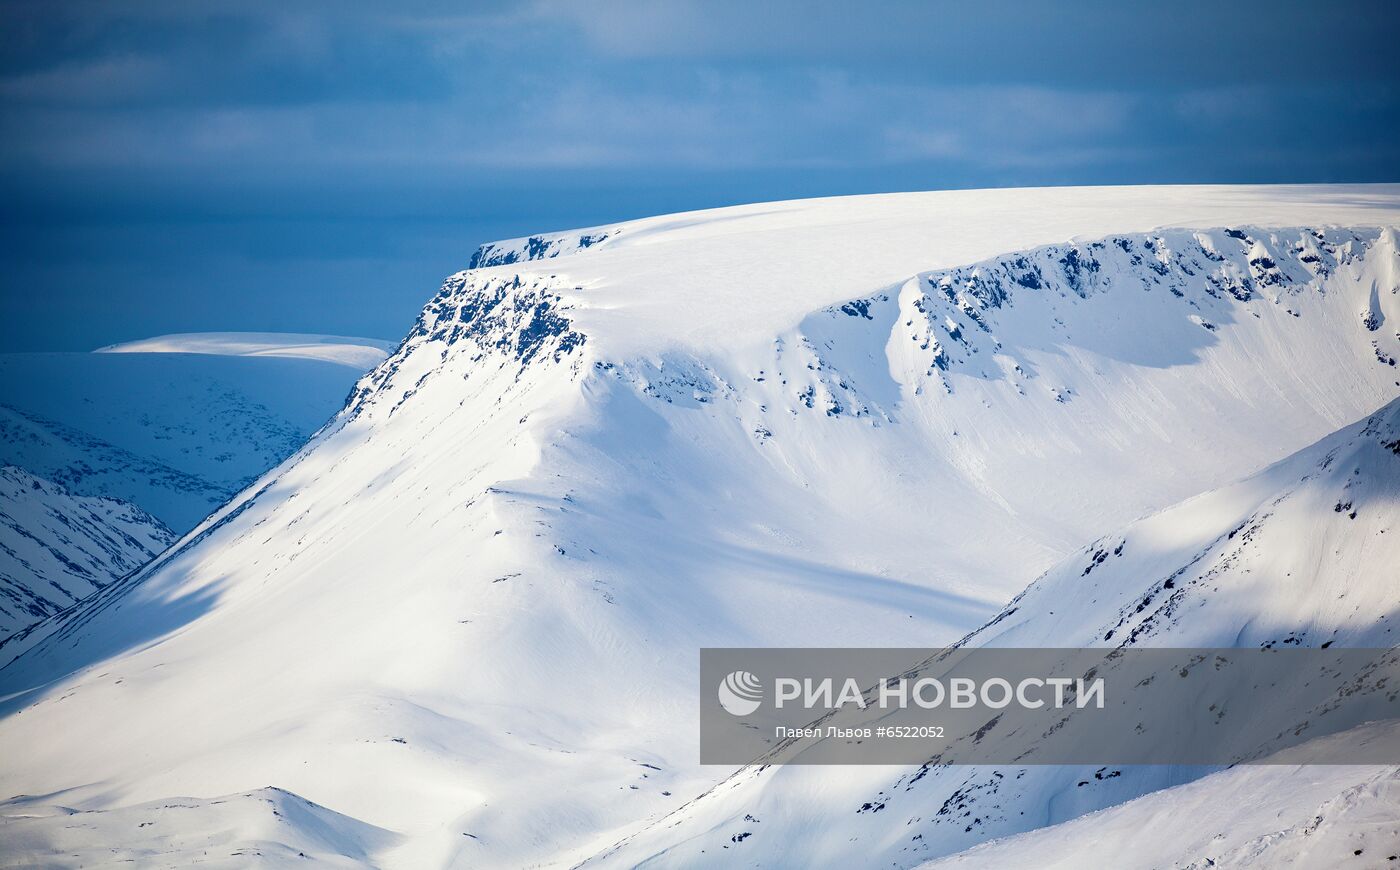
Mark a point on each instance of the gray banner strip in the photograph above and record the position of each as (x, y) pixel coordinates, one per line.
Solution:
(1048, 706)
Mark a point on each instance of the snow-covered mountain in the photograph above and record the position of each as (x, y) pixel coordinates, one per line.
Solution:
(1304, 553)
(57, 548)
(176, 424)
(104, 453)
(467, 613)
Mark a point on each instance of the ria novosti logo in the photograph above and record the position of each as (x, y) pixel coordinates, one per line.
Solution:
(998, 706)
(740, 693)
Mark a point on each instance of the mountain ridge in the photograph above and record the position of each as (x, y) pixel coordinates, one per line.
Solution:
(534, 479)
(1237, 567)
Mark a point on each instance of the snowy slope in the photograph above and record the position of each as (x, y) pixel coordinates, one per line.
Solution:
(1303, 817)
(175, 427)
(1304, 553)
(56, 548)
(166, 428)
(468, 611)
(263, 828)
(86, 464)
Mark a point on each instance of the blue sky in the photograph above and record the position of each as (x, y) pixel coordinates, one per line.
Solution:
(320, 166)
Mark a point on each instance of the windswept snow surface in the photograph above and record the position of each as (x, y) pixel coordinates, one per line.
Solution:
(360, 354)
(468, 612)
(1305, 553)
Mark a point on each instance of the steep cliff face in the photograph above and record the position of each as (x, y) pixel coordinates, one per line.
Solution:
(467, 612)
(543, 247)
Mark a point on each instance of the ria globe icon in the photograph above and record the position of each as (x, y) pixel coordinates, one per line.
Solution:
(740, 693)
